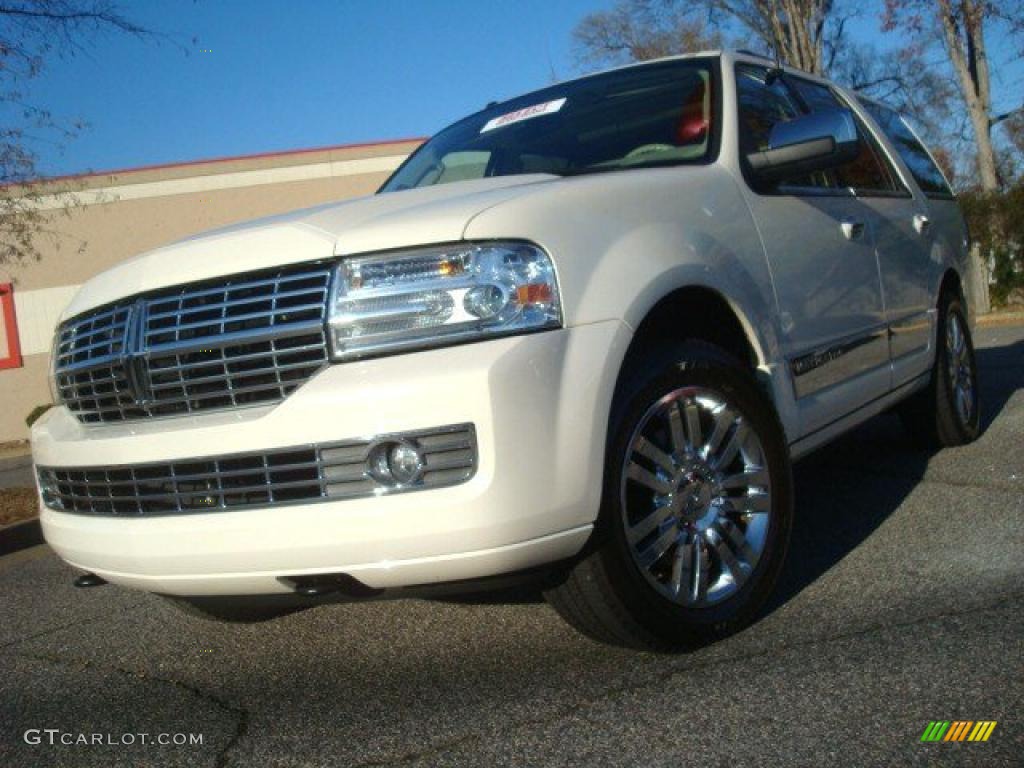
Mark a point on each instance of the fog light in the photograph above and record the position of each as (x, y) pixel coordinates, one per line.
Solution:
(398, 463)
(405, 463)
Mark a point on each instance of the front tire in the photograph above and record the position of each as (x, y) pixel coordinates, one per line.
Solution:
(947, 413)
(696, 510)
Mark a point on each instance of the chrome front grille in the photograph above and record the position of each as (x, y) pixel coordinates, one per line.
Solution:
(93, 339)
(236, 341)
(303, 474)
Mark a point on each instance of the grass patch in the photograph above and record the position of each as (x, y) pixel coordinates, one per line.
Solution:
(17, 504)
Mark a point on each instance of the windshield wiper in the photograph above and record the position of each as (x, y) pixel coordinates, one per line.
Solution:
(631, 167)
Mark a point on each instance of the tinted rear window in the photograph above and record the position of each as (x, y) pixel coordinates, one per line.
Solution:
(913, 153)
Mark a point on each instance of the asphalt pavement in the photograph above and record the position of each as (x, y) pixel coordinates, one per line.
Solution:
(901, 604)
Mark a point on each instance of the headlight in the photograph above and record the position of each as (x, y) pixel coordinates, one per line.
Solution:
(442, 295)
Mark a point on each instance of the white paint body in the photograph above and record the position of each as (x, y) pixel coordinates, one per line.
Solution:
(540, 403)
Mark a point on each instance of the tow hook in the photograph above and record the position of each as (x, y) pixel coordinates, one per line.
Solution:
(323, 584)
(89, 580)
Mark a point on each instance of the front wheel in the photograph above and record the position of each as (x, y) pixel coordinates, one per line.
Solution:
(696, 511)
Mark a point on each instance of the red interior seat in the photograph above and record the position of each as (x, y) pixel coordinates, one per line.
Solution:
(693, 122)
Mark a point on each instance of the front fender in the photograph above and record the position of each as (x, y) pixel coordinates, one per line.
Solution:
(623, 241)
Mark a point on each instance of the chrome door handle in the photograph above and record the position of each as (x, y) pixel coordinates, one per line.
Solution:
(921, 223)
(851, 229)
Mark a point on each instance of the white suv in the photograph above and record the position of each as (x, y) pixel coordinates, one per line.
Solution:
(580, 334)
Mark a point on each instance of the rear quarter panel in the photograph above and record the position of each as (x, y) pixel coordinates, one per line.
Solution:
(950, 249)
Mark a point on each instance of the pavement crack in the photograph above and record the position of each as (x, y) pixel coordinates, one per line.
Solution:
(580, 708)
(683, 666)
(241, 731)
(69, 625)
(239, 713)
(434, 749)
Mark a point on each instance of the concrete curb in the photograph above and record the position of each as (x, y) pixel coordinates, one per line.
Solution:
(18, 536)
(15, 462)
(16, 472)
(1000, 318)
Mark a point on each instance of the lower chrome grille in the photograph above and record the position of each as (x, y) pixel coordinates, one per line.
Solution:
(323, 472)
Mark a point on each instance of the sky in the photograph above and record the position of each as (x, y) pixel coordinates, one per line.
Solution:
(232, 77)
(268, 76)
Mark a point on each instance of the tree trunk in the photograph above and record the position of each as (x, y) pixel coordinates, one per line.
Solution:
(793, 28)
(986, 155)
(971, 67)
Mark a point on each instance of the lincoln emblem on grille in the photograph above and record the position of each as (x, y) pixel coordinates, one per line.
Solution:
(135, 364)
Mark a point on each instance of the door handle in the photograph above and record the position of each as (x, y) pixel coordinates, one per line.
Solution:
(851, 229)
(921, 223)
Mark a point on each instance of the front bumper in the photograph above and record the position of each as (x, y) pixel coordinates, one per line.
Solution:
(539, 404)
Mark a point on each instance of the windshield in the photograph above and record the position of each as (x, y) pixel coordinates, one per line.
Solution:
(656, 114)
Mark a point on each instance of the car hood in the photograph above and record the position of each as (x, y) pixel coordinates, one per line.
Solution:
(412, 217)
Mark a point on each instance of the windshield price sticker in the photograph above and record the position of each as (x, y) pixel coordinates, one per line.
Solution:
(536, 110)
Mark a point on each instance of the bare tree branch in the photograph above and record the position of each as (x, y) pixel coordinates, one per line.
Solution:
(637, 30)
(32, 32)
(961, 27)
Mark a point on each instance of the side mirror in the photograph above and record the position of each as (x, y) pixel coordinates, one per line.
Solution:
(814, 142)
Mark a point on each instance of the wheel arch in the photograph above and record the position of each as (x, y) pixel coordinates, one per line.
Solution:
(951, 282)
(699, 312)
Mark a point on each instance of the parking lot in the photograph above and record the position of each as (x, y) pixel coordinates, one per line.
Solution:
(902, 603)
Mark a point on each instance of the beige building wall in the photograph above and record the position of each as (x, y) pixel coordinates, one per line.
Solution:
(119, 215)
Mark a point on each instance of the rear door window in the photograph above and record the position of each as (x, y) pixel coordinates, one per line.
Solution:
(910, 149)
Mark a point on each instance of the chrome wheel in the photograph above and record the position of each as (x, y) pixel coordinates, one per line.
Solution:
(696, 497)
(961, 372)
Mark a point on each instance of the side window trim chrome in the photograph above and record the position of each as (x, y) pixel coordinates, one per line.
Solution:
(934, 196)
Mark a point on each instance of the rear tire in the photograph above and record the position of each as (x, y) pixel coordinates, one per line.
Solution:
(947, 412)
(696, 509)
